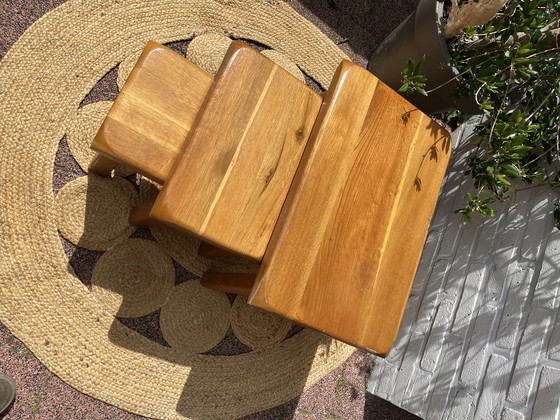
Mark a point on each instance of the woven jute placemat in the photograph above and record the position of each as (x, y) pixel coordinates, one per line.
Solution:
(73, 330)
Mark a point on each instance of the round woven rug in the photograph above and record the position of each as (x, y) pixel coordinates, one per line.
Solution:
(74, 328)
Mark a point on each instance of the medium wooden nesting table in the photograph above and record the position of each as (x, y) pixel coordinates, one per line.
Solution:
(332, 194)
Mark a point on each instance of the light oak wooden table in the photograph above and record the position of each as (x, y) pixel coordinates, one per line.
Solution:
(228, 185)
(332, 194)
(151, 117)
(344, 253)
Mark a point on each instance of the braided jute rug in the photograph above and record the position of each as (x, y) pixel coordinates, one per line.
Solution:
(74, 327)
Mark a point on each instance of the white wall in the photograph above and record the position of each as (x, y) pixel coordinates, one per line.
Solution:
(480, 338)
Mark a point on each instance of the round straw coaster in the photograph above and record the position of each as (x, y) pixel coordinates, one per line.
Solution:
(68, 328)
(257, 328)
(195, 318)
(208, 50)
(133, 279)
(83, 129)
(92, 211)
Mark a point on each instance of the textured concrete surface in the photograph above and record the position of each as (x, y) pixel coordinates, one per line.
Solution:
(480, 338)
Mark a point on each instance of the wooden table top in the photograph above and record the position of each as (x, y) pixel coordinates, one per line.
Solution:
(230, 180)
(345, 250)
(153, 114)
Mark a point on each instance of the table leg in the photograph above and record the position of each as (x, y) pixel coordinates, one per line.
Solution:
(140, 216)
(237, 283)
(102, 165)
(207, 250)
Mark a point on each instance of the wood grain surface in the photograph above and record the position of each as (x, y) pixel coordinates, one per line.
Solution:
(232, 177)
(152, 115)
(347, 244)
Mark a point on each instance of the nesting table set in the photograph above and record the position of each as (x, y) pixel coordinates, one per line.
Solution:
(331, 194)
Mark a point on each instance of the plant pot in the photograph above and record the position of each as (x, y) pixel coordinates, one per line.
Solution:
(421, 34)
(7, 393)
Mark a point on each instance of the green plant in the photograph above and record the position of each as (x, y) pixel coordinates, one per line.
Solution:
(412, 78)
(41, 394)
(16, 346)
(511, 66)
